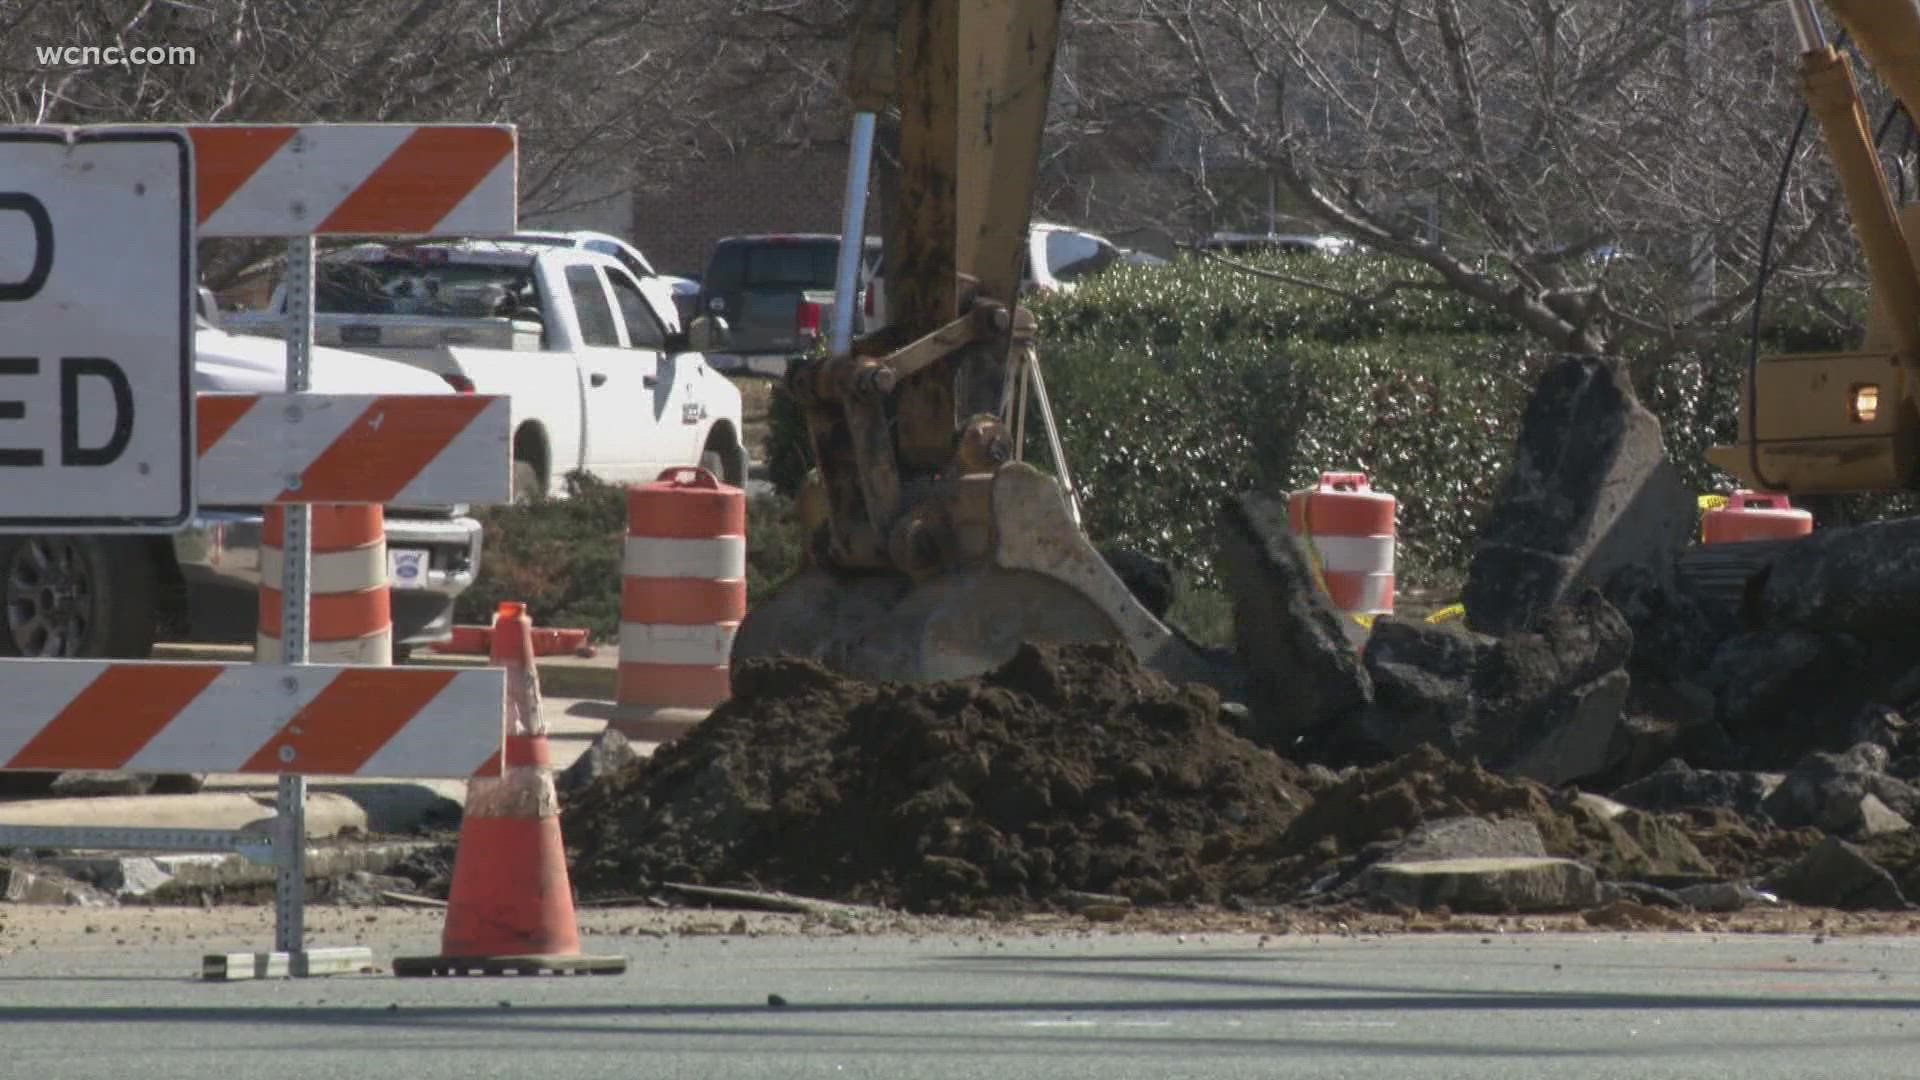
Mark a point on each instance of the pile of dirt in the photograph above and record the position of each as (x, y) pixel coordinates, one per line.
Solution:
(1070, 769)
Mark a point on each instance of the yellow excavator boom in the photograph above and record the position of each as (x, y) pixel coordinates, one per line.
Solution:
(935, 551)
(1846, 422)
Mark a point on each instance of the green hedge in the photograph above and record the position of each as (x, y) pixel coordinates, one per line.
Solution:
(562, 557)
(1175, 386)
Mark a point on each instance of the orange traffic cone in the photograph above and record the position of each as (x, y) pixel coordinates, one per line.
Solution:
(510, 910)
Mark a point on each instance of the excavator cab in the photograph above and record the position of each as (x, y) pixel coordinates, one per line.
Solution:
(1831, 423)
(935, 549)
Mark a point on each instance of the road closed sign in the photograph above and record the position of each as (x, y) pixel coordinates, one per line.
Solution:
(96, 329)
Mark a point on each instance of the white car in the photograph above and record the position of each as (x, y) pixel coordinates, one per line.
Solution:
(1057, 258)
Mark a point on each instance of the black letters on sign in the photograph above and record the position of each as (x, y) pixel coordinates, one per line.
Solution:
(20, 202)
(72, 369)
(16, 409)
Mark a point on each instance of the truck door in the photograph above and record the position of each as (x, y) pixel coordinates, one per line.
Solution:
(669, 430)
(616, 383)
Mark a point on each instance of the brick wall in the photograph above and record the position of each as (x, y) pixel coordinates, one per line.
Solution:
(751, 193)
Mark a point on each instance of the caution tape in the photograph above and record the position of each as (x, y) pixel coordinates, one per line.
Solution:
(1451, 613)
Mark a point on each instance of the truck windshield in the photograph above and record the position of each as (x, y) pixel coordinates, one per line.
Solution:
(406, 287)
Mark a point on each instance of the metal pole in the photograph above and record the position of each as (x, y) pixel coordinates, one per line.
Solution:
(290, 887)
(1053, 438)
(853, 222)
(1806, 26)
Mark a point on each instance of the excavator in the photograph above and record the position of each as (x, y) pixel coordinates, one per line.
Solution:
(1836, 423)
(936, 548)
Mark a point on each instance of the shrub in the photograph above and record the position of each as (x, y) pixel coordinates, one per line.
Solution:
(1177, 386)
(563, 557)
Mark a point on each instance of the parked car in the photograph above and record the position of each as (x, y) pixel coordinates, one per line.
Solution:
(1064, 256)
(616, 389)
(1232, 243)
(775, 291)
(77, 595)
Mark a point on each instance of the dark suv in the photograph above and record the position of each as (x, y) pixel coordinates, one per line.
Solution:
(759, 285)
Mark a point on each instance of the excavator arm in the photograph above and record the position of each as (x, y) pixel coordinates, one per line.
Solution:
(1845, 422)
(935, 552)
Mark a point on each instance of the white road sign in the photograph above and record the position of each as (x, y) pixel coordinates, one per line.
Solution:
(96, 329)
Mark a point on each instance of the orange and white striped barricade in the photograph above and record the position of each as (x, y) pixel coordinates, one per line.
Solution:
(682, 596)
(290, 450)
(350, 620)
(397, 450)
(1754, 515)
(319, 719)
(305, 180)
(1349, 529)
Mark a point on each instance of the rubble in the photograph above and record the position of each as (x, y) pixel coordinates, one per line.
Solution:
(1493, 886)
(21, 883)
(1470, 838)
(1305, 680)
(1837, 874)
(1545, 703)
(1830, 792)
(1590, 492)
(1676, 785)
(1861, 580)
(609, 753)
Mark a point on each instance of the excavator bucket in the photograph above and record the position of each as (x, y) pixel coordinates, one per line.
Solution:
(938, 552)
(1040, 581)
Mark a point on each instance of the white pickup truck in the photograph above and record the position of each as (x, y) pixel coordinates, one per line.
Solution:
(599, 374)
(80, 595)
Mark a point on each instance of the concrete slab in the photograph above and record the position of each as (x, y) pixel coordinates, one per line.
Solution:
(139, 875)
(328, 814)
(1486, 885)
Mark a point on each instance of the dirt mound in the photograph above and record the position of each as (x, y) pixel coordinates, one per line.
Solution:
(1069, 769)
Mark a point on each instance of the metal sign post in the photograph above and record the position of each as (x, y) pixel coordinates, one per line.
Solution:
(290, 887)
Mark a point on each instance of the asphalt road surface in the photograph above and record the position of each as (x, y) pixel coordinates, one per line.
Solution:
(1067, 1005)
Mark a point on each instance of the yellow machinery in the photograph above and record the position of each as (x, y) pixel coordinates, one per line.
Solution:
(1845, 422)
(935, 551)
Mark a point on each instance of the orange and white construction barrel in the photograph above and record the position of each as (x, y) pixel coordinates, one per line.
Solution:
(682, 596)
(350, 615)
(1349, 529)
(1754, 515)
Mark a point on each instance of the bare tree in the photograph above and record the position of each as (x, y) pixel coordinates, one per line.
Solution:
(1583, 158)
(599, 88)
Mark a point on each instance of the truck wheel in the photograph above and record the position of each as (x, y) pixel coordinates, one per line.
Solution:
(85, 597)
(526, 482)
